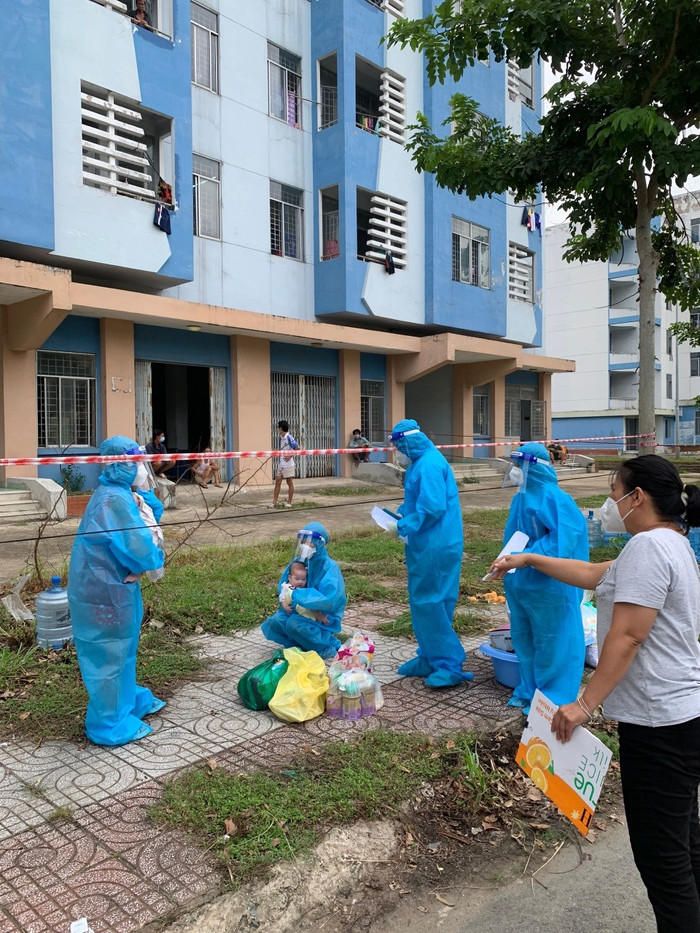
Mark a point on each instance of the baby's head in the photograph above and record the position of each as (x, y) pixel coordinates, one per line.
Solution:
(297, 574)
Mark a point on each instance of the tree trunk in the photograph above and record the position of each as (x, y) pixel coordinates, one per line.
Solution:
(648, 267)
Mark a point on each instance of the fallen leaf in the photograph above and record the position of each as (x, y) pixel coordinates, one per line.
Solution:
(230, 827)
(198, 629)
(274, 842)
(439, 897)
(540, 825)
(449, 744)
(24, 715)
(423, 910)
(212, 763)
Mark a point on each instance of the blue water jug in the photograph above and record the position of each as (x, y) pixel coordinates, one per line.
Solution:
(694, 540)
(53, 625)
(595, 530)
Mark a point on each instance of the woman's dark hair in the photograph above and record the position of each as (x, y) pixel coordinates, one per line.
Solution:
(660, 479)
(283, 424)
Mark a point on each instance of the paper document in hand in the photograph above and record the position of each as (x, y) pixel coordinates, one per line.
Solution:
(516, 543)
(569, 773)
(385, 519)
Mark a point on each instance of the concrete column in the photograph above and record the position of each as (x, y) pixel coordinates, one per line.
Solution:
(498, 414)
(251, 407)
(462, 411)
(349, 405)
(545, 380)
(395, 394)
(18, 406)
(118, 392)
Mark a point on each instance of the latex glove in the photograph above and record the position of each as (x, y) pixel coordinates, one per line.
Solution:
(392, 529)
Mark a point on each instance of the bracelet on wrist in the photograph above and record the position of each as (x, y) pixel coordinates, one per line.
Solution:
(589, 714)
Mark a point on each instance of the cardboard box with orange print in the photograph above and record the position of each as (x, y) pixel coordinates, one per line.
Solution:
(571, 774)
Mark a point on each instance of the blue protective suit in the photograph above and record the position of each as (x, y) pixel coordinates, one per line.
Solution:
(106, 613)
(324, 591)
(545, 615)
(431, 520)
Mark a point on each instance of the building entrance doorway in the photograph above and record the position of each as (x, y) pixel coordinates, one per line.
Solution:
(308, 404)
(187, 402)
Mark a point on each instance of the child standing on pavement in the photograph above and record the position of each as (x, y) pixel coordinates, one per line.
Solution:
(286, 466)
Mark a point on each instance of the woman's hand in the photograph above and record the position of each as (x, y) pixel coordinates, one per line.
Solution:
(132, 578)
(566, 719)
(502, 565)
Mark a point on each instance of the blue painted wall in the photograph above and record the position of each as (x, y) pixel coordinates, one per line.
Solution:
(165, 345)
(26, 149)
(343, 154)
(164, 67)
(614, 426)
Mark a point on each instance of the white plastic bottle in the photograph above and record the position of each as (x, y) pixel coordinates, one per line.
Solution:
(53, 625)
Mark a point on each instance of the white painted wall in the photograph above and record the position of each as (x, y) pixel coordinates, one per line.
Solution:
(92, 224)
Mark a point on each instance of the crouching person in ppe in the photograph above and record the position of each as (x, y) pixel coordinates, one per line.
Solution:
(431, 521)
(112, 549)
(323, 594)
(545, 614)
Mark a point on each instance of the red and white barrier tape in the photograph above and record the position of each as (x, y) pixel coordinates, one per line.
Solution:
(266, 454)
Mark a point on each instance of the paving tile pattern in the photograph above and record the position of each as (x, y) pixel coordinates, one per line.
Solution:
(109, 862)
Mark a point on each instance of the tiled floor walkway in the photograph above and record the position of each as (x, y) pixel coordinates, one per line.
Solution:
(108, 862)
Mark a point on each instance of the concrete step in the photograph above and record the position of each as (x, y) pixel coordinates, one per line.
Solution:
(17, 505)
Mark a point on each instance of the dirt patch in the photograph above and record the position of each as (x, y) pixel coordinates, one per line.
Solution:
(441, 838)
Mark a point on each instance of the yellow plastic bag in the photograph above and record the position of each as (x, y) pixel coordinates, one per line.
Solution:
(301, 693)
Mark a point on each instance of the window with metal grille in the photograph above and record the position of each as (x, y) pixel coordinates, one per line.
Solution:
(669, 386)
(471, 253)
(330, 224)
(328, 84)
(480, 425)
(372, 411)
(695, 364)
(206, 191)
(512, 417)
(204, 25)
(125, 149)
(284, 85)
(697, 421)
(65, 399)
(521, 273)
(286, 221)
(695, 318)
(695, 230)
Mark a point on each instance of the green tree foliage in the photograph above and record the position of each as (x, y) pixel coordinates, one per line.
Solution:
(619, 131)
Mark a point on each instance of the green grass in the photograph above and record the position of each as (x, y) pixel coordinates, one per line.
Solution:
(280, 814)
(346, 491)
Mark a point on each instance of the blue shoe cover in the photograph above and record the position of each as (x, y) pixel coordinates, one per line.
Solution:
(518, 702)
(142, 733)
(416, 667)
(445, 678)
(156, 707)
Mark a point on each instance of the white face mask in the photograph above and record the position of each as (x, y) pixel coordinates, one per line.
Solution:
(402, 460)
(141, 478)
(610, 516)
(515, 476)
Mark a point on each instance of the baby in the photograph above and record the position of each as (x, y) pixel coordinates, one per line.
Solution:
(297, 580)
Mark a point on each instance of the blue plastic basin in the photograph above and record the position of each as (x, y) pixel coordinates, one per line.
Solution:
(506, 668)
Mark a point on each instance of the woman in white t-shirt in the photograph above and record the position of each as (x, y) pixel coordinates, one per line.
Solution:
(648, 674)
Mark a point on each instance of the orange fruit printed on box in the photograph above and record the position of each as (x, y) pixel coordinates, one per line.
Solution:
(570, 774)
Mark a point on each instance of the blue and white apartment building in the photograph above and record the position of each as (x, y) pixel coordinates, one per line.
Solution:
(210, 223)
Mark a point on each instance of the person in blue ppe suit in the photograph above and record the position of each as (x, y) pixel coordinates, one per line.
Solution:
(324, 593)
(431, 521)
(545, 615)
(112, 548)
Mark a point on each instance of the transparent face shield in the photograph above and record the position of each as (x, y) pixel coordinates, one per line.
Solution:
(520, 465)
(145, 479)
(402, 459)
(306, 545)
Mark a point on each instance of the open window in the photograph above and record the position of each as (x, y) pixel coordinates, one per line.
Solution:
(380, 101)
(286, 221)
(330, 224)
(126, 149)
(328, 91)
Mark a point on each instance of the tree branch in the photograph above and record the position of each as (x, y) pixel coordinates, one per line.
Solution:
(663, 67)
(619, 28)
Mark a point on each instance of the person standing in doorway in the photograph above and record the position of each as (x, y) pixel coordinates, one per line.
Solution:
(157, 446)
(286, 467)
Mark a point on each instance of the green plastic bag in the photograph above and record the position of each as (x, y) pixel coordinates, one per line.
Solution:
(257, 686)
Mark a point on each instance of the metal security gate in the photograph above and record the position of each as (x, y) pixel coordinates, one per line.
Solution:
(308, 404)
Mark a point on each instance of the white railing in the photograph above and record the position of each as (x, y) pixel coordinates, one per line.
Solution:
(387, 229)
(392, 101)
